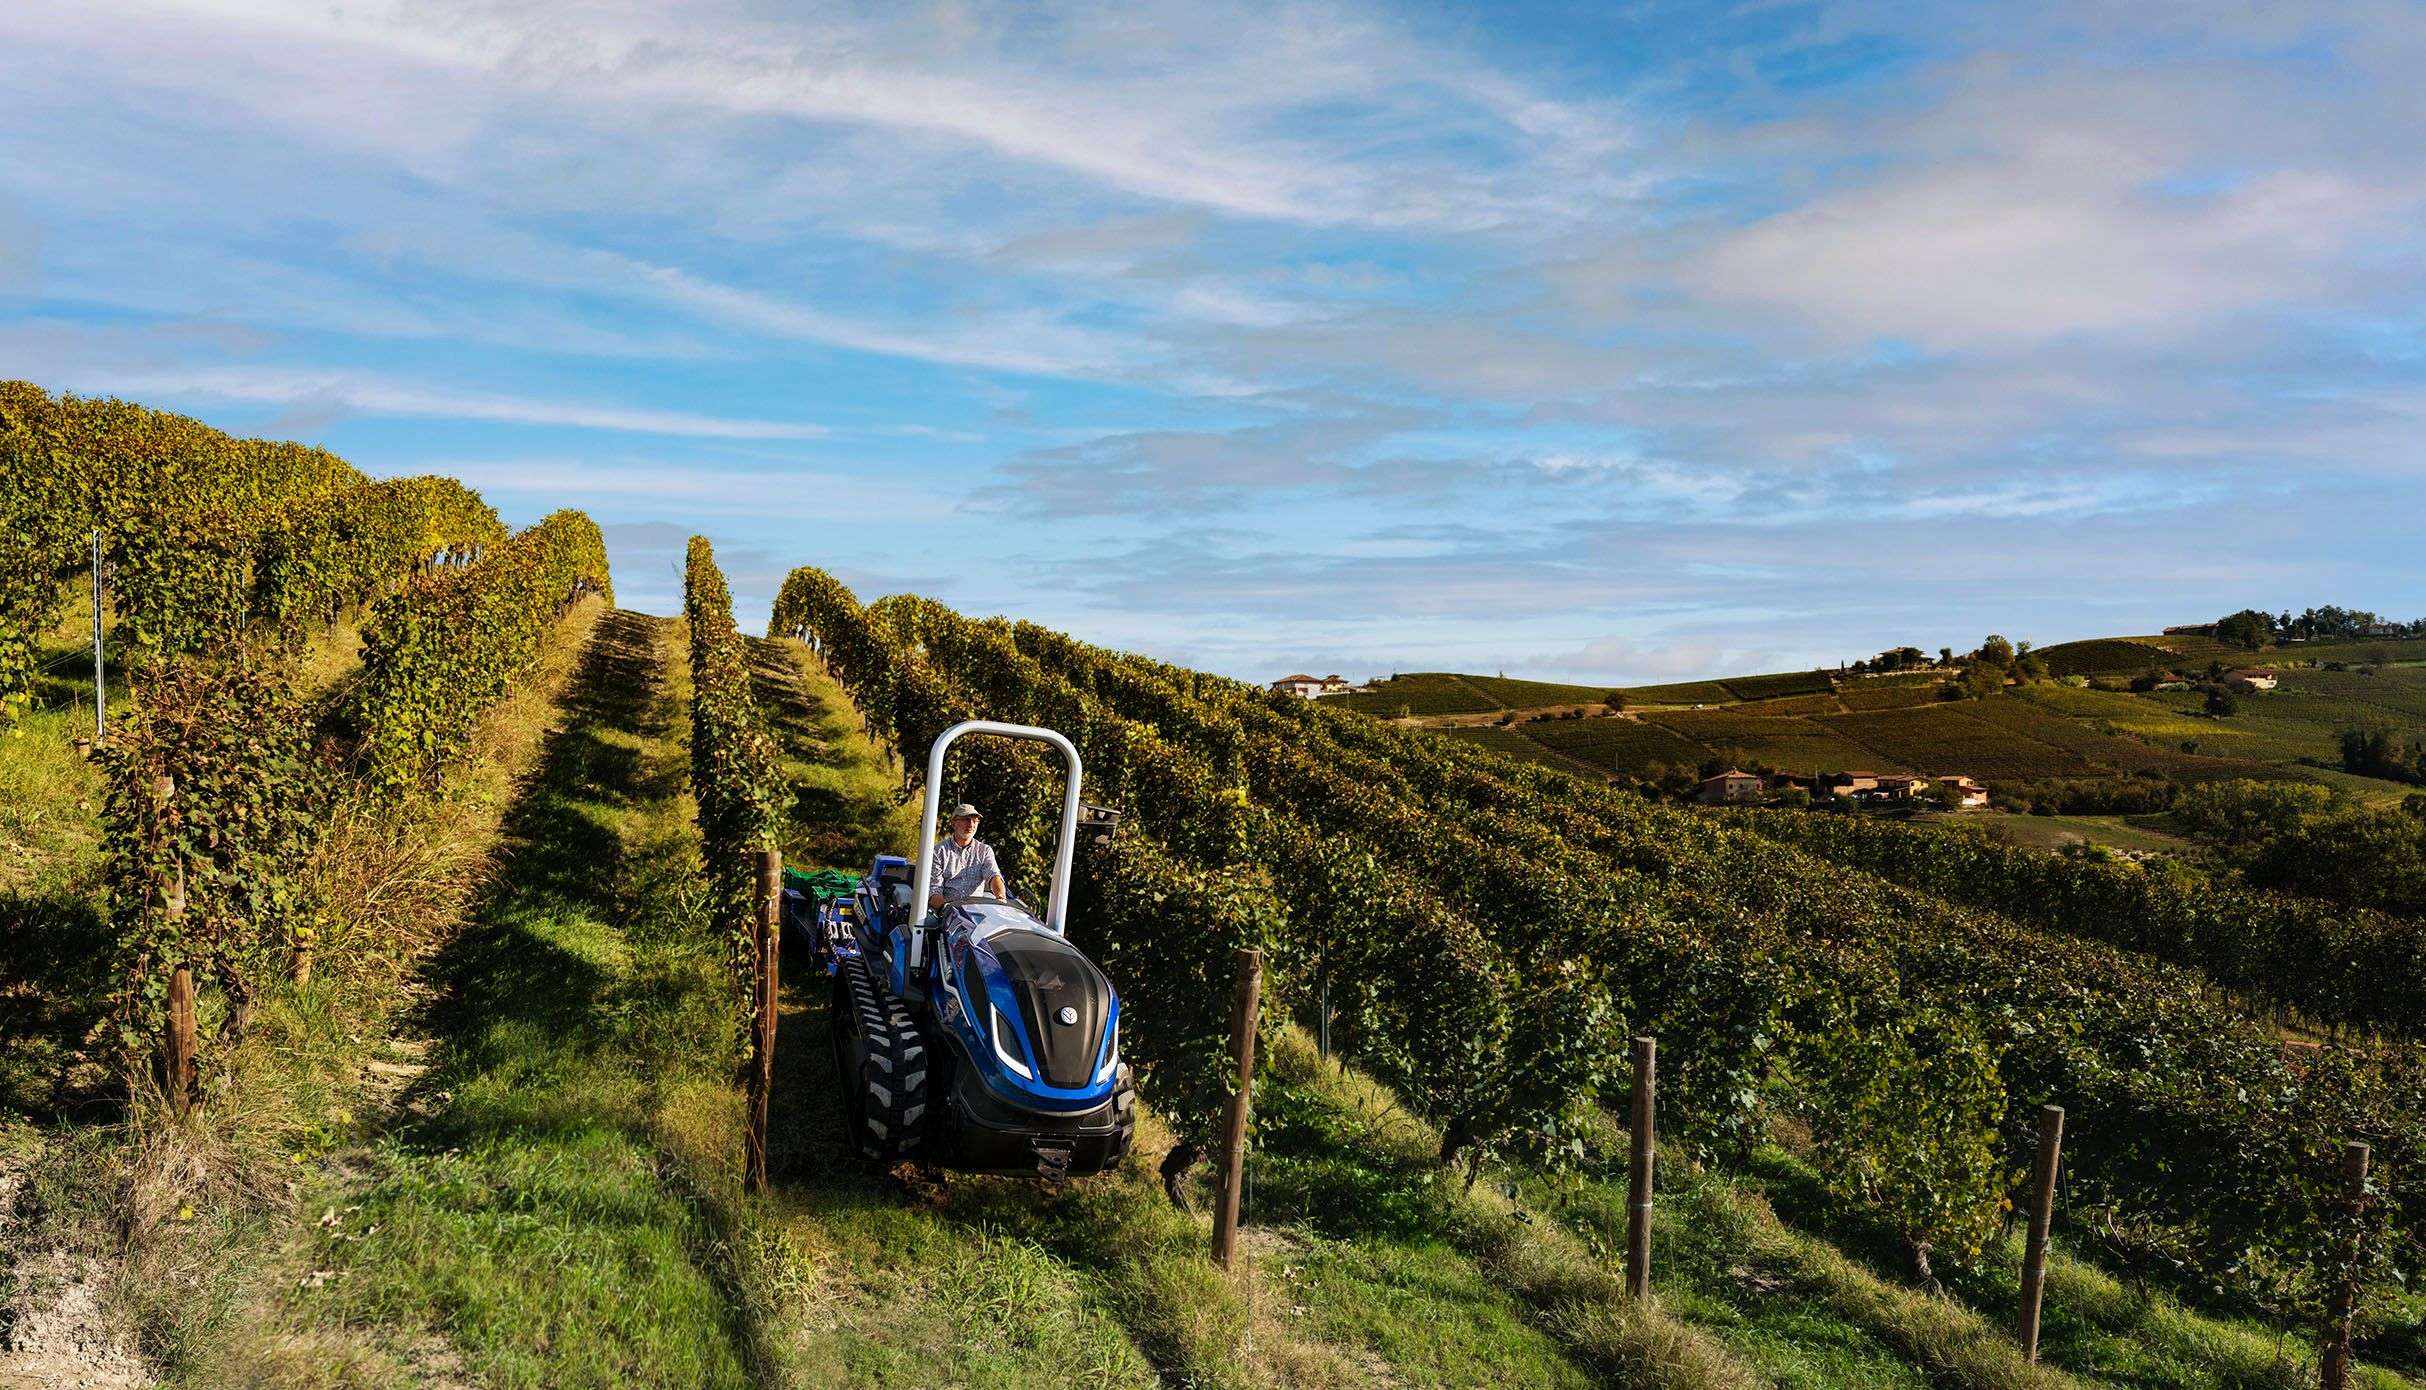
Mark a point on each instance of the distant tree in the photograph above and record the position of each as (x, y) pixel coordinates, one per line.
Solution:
(2245, 812)
(2146, 681)
(1996, 651)
(1796, 797)
(1945, 656)
(2247, 628)
(2383, 753)
(1900, 659)
(1943, 796)
(1615, 700)
(1980, 680)
(2028, 665)
(2222, 703)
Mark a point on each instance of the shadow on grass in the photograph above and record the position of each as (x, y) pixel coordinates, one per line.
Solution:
(561, 856)
(530, 1211)
(55, 986)
(828, 825)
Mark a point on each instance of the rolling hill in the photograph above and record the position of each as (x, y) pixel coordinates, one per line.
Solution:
(2056, 730)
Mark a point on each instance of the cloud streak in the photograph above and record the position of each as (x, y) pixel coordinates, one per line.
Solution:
(336, 393)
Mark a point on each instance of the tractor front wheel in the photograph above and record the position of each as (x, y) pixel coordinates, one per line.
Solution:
(880, 1067)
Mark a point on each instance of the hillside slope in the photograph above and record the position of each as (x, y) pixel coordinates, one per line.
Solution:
(2047, 732)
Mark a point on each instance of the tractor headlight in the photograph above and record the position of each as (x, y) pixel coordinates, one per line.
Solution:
(1111, 1057)
(1008, 1054)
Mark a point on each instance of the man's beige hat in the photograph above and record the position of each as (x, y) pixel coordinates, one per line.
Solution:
(964, 809)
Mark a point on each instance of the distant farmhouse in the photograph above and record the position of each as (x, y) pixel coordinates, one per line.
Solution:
(2251, 678)
(1311, 686)
(1733, 785)
(1972, 793)
(1876, 786)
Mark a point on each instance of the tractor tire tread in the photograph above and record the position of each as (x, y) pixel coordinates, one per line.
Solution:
(892, 1080)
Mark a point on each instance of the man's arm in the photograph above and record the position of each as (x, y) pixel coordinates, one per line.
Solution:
(994, 884)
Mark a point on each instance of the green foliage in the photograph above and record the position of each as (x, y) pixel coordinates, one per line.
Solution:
(441, 652)
(2384, 753)
(314, 561)
(214, 798)
(2246, 812)
(1908, 1127)
(2295, 837)
(205, 537)
(2247, 628)
(1169, 933)
(2331, 964)
(736, 772)
(1421, 692)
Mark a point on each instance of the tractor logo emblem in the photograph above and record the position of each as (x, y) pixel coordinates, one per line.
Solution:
(1067, 1014)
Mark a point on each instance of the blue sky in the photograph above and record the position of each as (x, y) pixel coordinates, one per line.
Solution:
(1600, 341)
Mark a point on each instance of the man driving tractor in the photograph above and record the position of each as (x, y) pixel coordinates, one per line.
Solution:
(964, 864)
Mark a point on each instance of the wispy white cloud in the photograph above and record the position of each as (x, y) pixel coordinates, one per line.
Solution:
(1614, 322)
(370, 394)
(629, 485)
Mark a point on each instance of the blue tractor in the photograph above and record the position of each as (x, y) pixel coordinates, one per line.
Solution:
(974, 1035)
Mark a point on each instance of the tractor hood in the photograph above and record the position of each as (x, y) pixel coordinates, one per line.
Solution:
(1040, 1006)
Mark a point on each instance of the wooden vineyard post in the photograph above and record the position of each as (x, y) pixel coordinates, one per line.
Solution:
(1234, 1141)
(2344, 1302)
(178, 1040)
(1322, 1019)
(768, 952)
(101, 690)
(1644, 1140)
(2042, 1211)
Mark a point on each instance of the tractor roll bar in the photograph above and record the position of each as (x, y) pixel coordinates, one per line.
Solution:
(1064, 847)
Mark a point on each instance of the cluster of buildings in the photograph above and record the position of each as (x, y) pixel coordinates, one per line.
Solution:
(1735, 786)
(1311, 686)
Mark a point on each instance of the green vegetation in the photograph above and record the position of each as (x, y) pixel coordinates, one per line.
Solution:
(2105, 656)
(1791, 744)
(1946, 738)
(2045, 741)
(2326, 964)
(1419, 693)
(1615, 743)
(1678, 693)
(1889, 693)
(1778, 686)
(1515, 694)
(205, 537)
